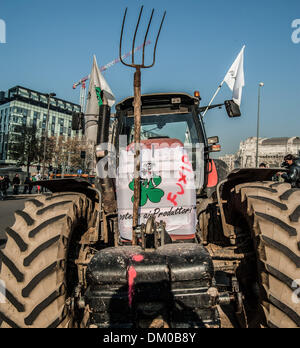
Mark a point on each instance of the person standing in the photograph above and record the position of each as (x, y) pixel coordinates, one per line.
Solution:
(34, 179)
(7, 183)
(38, 178)
(16, 184)
(27, 184)
(30, 185)
(2, 188)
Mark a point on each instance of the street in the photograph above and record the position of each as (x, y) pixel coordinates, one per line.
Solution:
(7, 209)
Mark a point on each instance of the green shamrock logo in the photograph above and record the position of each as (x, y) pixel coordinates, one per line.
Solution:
(149, 190)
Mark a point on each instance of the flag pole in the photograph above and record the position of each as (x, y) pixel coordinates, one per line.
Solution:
(213, 98)
(234, 71)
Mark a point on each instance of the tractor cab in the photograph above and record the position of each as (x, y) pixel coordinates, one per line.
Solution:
(164, 116)
(172, 149)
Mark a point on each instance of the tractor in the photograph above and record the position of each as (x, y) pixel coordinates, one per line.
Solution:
(165, 238)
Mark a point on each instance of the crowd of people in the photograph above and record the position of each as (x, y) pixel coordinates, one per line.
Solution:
(28, 185)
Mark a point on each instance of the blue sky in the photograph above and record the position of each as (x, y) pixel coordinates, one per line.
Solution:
(50, 46)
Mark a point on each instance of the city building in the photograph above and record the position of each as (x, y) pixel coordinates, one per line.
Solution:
(271, 151)
(22, 106)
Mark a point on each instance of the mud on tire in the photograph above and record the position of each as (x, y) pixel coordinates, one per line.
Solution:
(35, 260)
(272, 211)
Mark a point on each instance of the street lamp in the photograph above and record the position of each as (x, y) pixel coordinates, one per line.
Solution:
(258, 119)
(49, 95)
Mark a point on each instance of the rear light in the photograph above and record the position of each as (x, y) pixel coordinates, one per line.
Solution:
(215, 148)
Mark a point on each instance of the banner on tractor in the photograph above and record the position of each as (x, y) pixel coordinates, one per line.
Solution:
(170, 198)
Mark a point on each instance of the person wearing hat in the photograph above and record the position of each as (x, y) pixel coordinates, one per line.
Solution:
(293, 175)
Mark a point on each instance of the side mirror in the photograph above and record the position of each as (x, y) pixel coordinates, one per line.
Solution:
(103, 124)
(78, 121)
(233, 110)
(213, 140)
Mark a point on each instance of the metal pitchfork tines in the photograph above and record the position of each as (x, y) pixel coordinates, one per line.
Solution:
(137, 110)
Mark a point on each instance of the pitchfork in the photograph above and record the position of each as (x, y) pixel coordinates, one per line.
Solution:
(137, 111)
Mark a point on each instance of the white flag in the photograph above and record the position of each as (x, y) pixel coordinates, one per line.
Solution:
(235, 78)
(97, 84)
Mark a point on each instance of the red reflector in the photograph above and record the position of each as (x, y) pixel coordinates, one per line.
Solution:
(213, 175)
(215, 148)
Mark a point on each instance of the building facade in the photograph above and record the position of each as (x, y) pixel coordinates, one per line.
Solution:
(22, 106)
(271, 151)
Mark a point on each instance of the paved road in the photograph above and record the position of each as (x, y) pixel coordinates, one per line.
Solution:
(7, 209)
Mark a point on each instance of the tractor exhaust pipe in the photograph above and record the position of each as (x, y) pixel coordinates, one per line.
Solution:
(106, 184)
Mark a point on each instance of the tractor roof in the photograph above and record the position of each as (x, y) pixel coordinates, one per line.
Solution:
(159, 100)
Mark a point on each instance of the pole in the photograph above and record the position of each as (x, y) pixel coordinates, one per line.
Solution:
(213, 98)
(137, 164)
(45, 138)
(46, 133)
(258, 122)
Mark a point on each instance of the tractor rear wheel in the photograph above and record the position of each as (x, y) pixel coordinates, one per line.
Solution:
(272, 213)
(38, 270)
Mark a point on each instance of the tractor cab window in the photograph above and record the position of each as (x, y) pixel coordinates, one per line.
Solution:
(172, 126)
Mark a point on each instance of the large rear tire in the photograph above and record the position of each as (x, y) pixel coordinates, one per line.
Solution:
(272, 212)
(36, 267)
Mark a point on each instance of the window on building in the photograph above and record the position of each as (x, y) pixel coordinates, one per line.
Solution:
(68, 106)
(53, 119)
(36, 115)
(61, 104)
(53, 101)
(44, 99)
(23, 93)
(34, 96)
